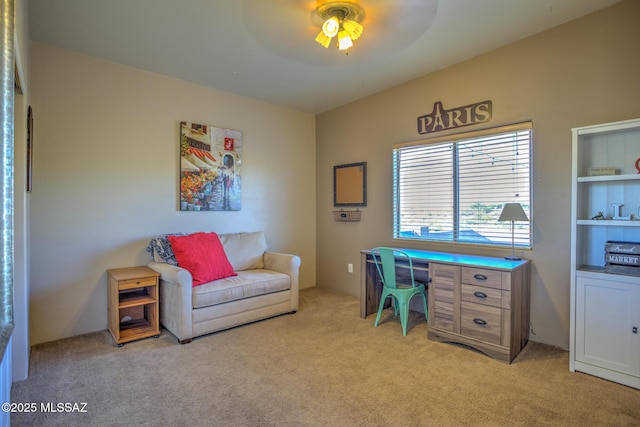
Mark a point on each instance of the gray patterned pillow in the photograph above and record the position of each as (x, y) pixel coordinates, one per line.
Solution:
(159, 249)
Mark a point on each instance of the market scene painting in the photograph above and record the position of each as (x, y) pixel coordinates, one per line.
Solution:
(210, 159)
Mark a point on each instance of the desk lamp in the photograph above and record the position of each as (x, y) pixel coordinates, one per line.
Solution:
(513, 212)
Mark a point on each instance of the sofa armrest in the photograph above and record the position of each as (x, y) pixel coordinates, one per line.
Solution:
(289, 265)
(176, 299)
(172, 273)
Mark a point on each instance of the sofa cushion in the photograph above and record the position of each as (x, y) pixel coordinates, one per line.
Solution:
(202, 255)
(245, 250)
(246, 284)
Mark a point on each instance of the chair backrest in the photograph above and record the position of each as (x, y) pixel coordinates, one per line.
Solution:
(385, 260)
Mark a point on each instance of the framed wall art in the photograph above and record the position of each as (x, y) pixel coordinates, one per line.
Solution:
(350, 184)
(210, 165)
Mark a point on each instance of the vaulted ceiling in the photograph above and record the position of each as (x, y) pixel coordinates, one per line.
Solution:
(265, 49)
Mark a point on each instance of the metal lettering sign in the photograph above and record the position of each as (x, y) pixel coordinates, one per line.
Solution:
(440, 119)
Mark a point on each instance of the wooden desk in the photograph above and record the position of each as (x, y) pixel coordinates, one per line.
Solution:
(481, 302)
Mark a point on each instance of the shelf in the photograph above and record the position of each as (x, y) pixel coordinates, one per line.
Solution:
(608, 178)
(597, 272)
(137, 329)
(609, 222)
(133, 324)
(134, 299)
(591, 269)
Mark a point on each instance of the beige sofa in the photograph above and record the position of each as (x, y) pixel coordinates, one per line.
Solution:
(266, 285)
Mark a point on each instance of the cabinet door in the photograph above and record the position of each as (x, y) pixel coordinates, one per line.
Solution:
(444, 291)
(607, 323)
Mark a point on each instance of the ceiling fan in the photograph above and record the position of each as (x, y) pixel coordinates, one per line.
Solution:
(339, 18)
(290, 27)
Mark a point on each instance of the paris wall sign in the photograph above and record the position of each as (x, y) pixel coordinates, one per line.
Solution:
(440, 119)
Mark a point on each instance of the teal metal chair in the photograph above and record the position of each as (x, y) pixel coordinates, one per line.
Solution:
(385, 260)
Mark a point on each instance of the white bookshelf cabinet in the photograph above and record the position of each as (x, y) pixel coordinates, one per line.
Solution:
(605, 308)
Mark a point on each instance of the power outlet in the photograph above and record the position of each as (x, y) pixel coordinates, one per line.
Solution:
(350, 268)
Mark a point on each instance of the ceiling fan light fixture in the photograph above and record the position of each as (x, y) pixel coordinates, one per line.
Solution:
(339, 18)
(344, 41)
(331, 26)
(323, 39)
(353, 28)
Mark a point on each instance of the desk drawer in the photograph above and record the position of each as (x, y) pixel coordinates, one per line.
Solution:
(481, 295)
(482, 277)
(481, 322)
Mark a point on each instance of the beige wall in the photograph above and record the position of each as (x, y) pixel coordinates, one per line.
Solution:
(581, 73)
(106, 179)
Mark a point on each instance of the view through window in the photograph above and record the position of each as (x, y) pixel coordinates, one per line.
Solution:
(453, 188)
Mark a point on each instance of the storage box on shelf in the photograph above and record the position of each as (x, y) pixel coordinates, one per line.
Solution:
(605, 318)
(622, 258)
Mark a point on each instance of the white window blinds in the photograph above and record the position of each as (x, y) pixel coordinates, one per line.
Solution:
(454, 188)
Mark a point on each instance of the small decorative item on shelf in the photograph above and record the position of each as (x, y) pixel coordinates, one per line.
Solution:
(347, 216)
(599, 216)
(617, 212)
(602, 171)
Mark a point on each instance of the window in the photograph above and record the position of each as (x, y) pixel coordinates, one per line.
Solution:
(453, 188)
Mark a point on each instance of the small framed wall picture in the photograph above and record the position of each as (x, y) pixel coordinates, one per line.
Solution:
(29, 149)
(350, 184)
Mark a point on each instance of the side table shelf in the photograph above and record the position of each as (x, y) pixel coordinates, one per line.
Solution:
(133, 304)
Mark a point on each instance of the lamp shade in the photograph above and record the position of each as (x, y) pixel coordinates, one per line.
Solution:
(353, 28)
(344, 41)
(331, 26)
(513, 212)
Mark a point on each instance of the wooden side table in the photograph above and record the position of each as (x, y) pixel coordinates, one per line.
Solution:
(133, 304)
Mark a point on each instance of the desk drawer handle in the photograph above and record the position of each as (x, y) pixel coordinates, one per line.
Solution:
(479, 322)
(480, 277)
(479, 294)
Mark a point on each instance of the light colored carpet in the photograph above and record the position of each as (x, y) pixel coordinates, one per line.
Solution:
(323, 366)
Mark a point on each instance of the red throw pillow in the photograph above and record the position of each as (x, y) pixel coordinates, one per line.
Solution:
(203, 256)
